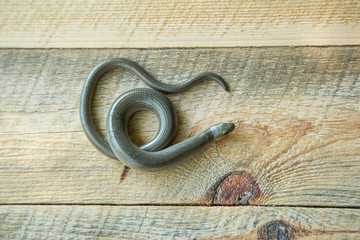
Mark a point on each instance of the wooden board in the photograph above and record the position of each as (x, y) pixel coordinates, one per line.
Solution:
(151, 222)
(162, 23)
(296, 140)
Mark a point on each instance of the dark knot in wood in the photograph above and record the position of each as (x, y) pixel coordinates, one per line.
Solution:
(276, 230)
(234, 188)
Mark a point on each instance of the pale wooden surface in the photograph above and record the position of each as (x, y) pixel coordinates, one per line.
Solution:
(296, 112)
(151, 222)
(162, 23)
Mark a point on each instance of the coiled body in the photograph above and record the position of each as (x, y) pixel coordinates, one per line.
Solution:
(151, 156)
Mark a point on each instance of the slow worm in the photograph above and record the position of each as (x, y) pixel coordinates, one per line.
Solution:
(152, 156)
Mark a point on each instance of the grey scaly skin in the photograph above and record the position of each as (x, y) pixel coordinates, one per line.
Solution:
(152, 156)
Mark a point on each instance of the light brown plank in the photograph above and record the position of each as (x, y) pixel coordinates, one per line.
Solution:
(296, 140)
(162, 23)
(151, 222)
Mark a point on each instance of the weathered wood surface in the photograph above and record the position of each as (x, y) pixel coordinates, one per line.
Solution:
(163, 23)
(151, 222)
(296, 140)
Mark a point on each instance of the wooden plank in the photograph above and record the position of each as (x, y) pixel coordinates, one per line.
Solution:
(296, 140)
(162, 23)
(152, 222)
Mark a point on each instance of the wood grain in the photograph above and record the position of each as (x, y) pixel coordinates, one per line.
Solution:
(151, 222)
(296, 140)
(161, 23)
